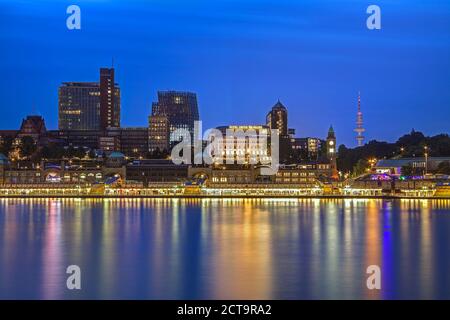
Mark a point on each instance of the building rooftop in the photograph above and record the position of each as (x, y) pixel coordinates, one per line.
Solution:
(390, 163)
(279, 105)
(116, 155)
(83, 84)
(155, 163)
(331, 133)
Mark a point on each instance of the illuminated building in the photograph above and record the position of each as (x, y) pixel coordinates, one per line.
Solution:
(158, 133)
(109, 99)
(226, 175)
(309, 146)
(156, 170)
(89, 105)
(277, 119)
(7, 134)
(181, 110)
(3, 163)
(78, 138)
(79, 106)
(305, 174)
(418, 164)
(109, 144)
(231, 176)
(63, 172)
(244, 144)
(131, 141)
(32, 126)
(291, 133)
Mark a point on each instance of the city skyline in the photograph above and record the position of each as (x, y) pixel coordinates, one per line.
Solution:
(237, 64)
(225, 158)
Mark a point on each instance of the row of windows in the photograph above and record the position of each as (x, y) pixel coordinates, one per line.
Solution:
(295, 174)
(294, 180)
(231, 179)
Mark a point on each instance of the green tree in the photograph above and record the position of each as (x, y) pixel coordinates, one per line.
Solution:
(414, 138)
(411, 144)
(52, 151)
(361, 167)
(348, 158)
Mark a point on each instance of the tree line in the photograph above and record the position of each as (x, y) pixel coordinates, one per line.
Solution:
(414, 144)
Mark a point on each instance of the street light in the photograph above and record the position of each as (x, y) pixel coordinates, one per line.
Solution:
(372, 162)
(426, 159)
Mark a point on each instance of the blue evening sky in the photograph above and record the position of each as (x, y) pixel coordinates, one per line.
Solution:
(239, 56)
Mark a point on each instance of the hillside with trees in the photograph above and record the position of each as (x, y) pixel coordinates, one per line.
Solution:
(410, 145)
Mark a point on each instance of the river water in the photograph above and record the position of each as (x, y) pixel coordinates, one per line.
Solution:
(224, 248)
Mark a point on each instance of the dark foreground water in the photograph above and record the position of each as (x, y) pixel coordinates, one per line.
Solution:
(224, 249)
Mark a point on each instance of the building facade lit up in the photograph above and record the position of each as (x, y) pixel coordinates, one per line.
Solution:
(89, 105)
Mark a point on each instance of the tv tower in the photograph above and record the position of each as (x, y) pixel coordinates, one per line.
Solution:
(359, 123)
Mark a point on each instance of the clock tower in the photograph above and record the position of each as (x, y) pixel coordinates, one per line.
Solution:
(332, 152)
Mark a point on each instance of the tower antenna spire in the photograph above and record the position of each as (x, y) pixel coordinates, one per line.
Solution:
(359, 123)
(359, 101)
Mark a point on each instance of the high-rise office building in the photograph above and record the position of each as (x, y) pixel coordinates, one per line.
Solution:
(277, 119)
(309, 146)
(89, 105)
(109, 100)
(79, 106)
(181, 110)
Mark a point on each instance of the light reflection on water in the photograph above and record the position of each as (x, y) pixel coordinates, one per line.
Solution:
(224, 248)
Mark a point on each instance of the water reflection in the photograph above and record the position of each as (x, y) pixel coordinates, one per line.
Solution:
(224, 249)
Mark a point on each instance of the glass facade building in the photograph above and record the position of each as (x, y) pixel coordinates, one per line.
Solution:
(181, 110)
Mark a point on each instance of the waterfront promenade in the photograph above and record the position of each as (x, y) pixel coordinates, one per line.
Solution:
(177, 191)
